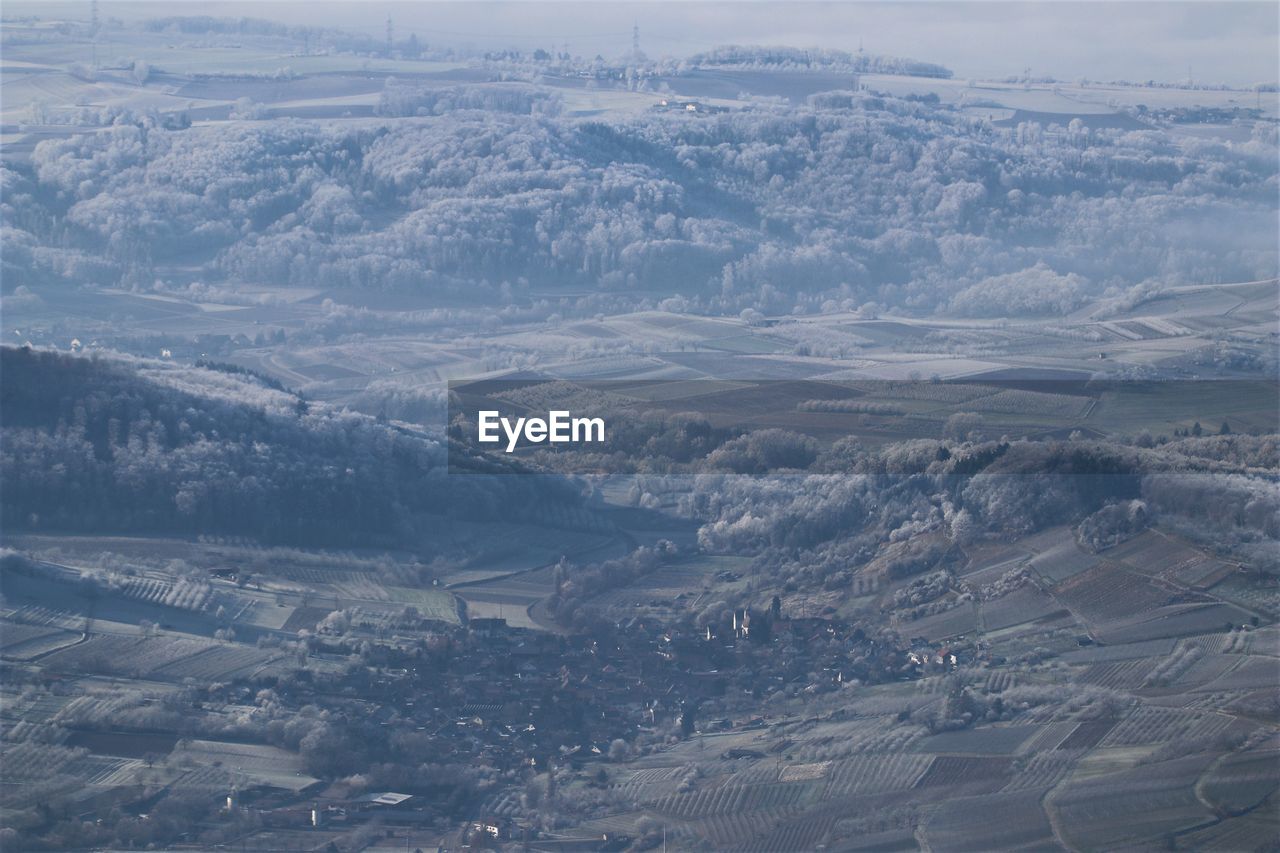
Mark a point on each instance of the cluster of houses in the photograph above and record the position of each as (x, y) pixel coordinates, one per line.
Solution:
(514, 699)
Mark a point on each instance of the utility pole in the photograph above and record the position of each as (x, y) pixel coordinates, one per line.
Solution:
(635, 41)
(93, 33)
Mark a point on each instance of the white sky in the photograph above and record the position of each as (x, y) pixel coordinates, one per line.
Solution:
(1229, 41)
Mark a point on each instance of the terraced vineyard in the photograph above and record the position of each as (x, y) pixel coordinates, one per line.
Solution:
(1069, 772)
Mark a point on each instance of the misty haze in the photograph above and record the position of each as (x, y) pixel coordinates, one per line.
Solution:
(639, 426)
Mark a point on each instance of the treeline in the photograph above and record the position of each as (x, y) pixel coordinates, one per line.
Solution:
(842, 202)
(97, 444)
(814, 517)
(812, 59)
(900, 508)
(406, 99)
(202, 24)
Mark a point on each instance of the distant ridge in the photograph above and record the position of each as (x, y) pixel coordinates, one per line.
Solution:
(813, 59)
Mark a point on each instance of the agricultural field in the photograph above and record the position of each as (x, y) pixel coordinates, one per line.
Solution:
(140, 622)
(676, 588)
(209, 764)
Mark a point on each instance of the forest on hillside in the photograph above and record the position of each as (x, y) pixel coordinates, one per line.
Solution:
(98, 444)
(815, 519)
(847, 199)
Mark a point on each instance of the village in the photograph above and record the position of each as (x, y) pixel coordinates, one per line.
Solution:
(527, 702)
